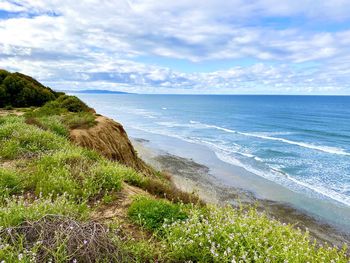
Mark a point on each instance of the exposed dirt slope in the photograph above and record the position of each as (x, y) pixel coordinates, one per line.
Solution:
(110, 139)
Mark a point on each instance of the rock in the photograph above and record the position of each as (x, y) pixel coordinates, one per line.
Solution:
(109, 138)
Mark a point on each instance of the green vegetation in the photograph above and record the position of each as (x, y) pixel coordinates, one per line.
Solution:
(10, 183)
(81, 120)
(59, 167)
(213, 234)
(17, 210)
(72, 104)
(20, 140)
(52, 193)
(151, 213)
(237, 235)
(52, 123)
(26, 90)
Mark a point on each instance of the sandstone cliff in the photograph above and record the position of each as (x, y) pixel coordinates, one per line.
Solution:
(110, 139)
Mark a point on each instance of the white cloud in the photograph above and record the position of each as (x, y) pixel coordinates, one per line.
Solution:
(61, 41)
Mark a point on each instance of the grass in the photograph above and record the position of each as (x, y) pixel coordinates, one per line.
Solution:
(142, 250)
(57, 184)
(18, 139)
(10, 183)
(62, 114)
(17, 210)
(76, 171)
(82, 120)
(152, 214)
(53, 123)
(159, 186)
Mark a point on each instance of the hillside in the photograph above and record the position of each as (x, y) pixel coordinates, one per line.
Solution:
(72, 189)
(110, 139)
(19, 90)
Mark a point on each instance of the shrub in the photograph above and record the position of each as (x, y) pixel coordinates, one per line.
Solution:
(49, 109)
(152, 213)
(72, 104)
(82, 120)
(8, 107)
(3, 75)
(19, 90)
(236, 235)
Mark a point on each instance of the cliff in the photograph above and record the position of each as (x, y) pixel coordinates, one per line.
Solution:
(110, 139)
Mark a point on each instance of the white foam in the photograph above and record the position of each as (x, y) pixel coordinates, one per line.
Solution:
(326, 149)
(333, 195)
(275, 175)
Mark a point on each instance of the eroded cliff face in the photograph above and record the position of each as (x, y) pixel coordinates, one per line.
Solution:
(110, 139)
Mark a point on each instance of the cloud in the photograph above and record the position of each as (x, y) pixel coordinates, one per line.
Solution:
(97, 43)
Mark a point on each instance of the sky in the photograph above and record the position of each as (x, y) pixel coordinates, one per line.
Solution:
(180, 46)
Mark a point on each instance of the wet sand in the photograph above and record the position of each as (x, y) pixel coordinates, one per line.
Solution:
(193, 177)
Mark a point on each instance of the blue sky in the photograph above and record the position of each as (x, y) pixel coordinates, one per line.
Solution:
(183, 46)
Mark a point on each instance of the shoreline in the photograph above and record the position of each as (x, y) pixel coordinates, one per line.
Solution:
(193, 177)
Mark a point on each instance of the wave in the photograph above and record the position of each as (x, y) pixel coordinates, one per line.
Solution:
(224, 153)
(281, 177)
(142, 112)
(326, 149)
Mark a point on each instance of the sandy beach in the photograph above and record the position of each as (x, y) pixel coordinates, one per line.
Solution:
(196, 178)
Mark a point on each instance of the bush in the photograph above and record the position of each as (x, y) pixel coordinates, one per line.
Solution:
(236, 235)
(72, 104)
(8, 107)
(82, 120)
(19, 90)
(49, 109)
(152, 213)
(3, 75)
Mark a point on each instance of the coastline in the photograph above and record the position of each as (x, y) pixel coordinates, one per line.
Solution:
(193, 177)
(197, 167)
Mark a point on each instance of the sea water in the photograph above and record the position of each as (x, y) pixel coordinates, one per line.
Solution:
(299, 142)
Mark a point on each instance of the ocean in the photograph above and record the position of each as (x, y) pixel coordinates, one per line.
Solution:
(301, 143)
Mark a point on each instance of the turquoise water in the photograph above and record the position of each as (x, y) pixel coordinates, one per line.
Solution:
(299, 142)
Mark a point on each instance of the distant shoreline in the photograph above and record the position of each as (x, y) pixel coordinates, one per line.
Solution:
(96, 92)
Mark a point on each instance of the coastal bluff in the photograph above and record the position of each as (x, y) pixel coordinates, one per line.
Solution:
(109, 138)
